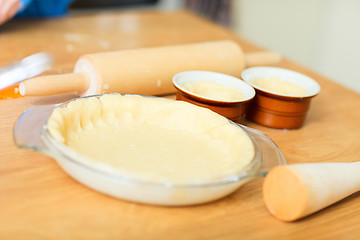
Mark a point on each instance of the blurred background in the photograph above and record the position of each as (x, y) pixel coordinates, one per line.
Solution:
(319, 34)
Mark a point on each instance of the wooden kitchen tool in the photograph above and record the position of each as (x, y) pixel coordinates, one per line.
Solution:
(294, 191)
(147, 71)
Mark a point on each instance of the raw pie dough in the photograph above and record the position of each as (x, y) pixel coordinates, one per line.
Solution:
(152, 139)
(214, 90)
(279, 86)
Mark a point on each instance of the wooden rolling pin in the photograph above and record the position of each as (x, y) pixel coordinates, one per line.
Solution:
(294, 191)
(147, 71)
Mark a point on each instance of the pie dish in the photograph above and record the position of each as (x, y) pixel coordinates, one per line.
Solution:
(148, 149)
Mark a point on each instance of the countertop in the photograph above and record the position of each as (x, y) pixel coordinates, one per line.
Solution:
(38, 200)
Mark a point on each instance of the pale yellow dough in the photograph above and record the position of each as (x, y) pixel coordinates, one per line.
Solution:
(279, 86)
(152, 139)
(214, 90)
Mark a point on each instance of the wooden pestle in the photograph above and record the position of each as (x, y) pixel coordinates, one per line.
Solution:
(294, 191)
(147, 71)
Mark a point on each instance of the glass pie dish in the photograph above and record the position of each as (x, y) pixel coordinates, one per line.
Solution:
(31, 131)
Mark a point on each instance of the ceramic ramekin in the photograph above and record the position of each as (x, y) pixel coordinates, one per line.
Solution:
(277, 110)
(231, 109)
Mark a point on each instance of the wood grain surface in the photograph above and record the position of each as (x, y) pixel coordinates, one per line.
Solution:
(38, 200)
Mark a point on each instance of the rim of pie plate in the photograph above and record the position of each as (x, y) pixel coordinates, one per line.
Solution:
(53, 139)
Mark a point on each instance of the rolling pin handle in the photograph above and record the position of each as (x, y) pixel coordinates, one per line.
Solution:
(54, 84)
(294, 191)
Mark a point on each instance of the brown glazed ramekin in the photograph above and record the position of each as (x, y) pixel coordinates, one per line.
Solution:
(277, 110)
(232, 109)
